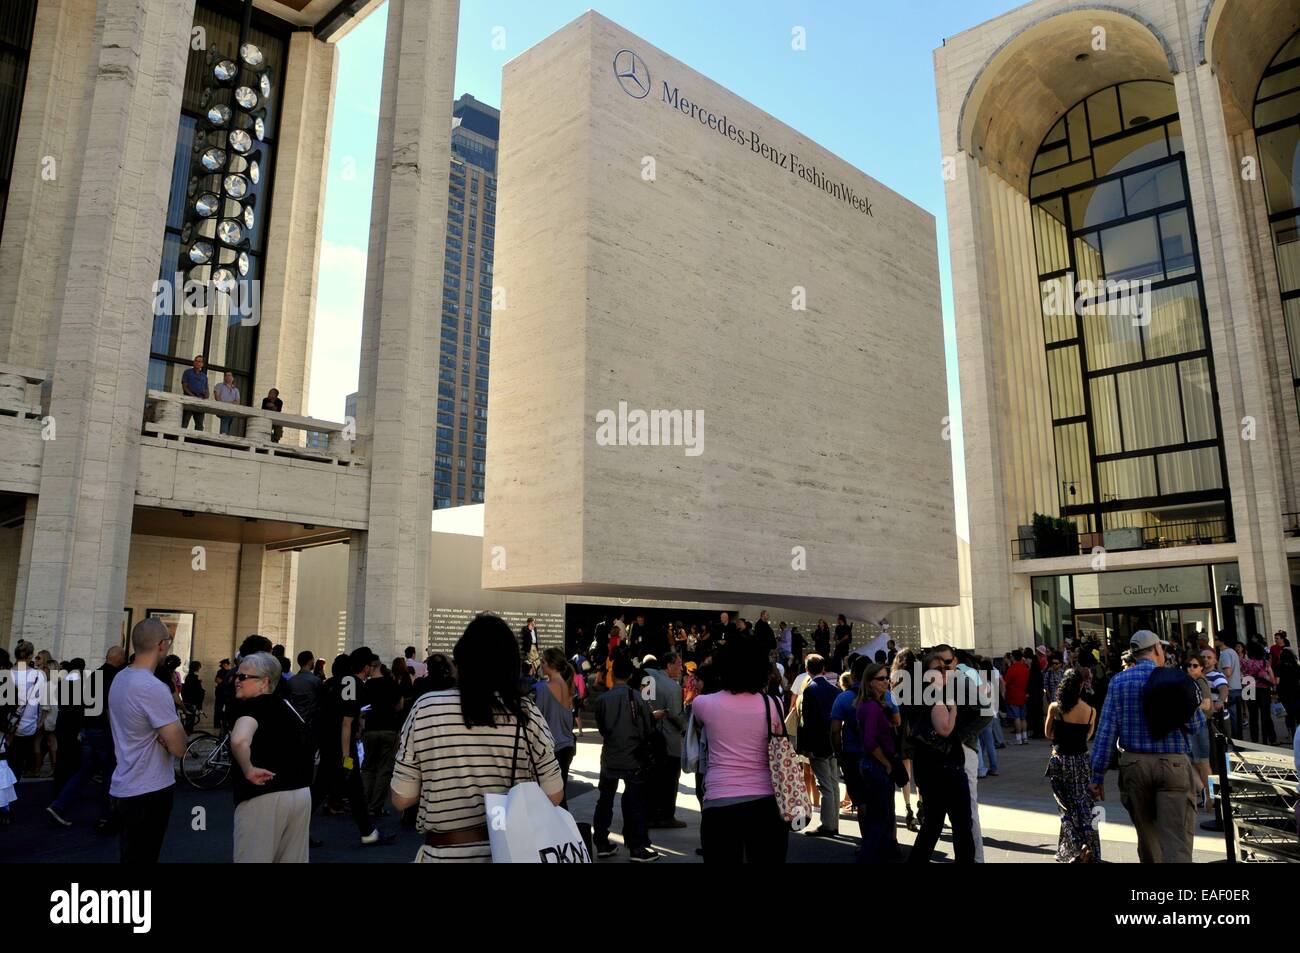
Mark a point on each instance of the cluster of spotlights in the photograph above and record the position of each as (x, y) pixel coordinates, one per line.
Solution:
(227, 163)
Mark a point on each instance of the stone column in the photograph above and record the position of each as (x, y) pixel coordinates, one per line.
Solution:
(268, 583)
(401, 320)
(47, 169)
(288, 304)
(1239, 341)
(76, 579)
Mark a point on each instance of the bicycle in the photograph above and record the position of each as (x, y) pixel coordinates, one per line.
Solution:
(207, 761)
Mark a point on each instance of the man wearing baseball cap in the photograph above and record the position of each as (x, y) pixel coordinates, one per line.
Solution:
(1156, 783)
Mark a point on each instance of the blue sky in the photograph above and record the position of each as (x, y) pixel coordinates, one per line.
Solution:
(863, 88)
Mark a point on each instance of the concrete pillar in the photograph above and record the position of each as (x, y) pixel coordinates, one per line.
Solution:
(1240, 346)
(400, 326)
(297, 215)
(47, 170)
(267, 595)
(76, 579)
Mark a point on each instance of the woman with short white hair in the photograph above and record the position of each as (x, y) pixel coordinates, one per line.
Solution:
(273, 784)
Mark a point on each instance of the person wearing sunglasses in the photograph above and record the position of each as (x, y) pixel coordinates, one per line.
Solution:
(876, 730)
(273, 785)
(1200, 755)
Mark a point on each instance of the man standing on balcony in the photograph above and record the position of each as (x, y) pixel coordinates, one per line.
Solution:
(194, 383)
(227, 393)
(273, 402)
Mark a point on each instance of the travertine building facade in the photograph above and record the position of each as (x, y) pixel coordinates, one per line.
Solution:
(1132, 444)
(113, 504)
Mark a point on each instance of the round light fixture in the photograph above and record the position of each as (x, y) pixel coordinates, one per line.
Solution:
(251, 54)
(264, 83)
(214, 159)
(236, 186)
(246, 98)
(223, 279)
(242, 263)
(225, 71)
(219, 114)
(230, 232)
(259, 128)
(206, 204)
(249, 219)
(254, 172)
(240, 141)
(201, 253)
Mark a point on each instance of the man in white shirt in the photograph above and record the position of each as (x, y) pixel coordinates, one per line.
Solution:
(30, 690)
(227, 393)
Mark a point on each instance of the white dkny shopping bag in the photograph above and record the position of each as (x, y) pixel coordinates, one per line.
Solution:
(524, 827)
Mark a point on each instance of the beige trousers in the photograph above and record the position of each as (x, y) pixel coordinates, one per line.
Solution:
(1159, 793)
(273, 828)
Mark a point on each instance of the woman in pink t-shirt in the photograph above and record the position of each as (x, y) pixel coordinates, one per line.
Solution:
(741, 820)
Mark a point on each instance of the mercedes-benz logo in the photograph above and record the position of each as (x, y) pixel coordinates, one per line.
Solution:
(632, 74)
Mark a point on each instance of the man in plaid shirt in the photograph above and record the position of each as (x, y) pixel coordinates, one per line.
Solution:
(1157, 785)
(1052, 679)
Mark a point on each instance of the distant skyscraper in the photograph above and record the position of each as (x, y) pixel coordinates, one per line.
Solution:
(461, 442)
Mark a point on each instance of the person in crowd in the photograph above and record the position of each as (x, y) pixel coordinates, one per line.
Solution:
(1052, 675)
(798, 646)
(482, 736)
(1230, 666)
(194, 383)
(679, 641)
(1156, 781)
(1035, 694)
(939, 764)
(844, 731)
(554, 695)
(876, 731)
(222, 693)
(704, 644)
(306, 688)
(47, 741)
(67, 730)
(97, 758)
(626, 724)
(226, 393)
(192, 695)
(1071, 723)
(1260, 707)
(530, 647)
(30, 690)
(1288, 688)
(273, 402)
(1016, 686)
(822, 640)
(902, 673)
(413, 665)
(271, 746)
(785, 643)
(344, 725)
(661, 796)
(972, 719)
(988, 736)
(763, 632)
(1280, 643)
(740, 820)
(817, 698)
(1200, 742)
(843, 642)
(146, 737)
(438, 676)
(382, 721)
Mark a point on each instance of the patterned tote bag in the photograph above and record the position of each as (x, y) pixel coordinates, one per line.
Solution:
(787, 772)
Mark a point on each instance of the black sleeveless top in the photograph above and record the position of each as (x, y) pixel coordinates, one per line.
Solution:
(1072, 738)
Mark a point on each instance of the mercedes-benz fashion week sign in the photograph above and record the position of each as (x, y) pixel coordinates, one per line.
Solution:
(672, 277)
(634, 76)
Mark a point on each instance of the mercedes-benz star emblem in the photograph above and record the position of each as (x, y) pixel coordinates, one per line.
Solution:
(632, 74)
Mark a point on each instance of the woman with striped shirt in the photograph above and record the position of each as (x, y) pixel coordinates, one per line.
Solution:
(481, 737)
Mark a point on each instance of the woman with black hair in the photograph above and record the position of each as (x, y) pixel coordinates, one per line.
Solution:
(1257, 665)
(843, 641)
(481, 737)
(740, 820)
(939, 764)
(1071, 723)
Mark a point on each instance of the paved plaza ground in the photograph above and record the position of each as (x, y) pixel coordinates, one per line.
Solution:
(1017, 813)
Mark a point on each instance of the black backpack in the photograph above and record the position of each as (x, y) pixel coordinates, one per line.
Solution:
(1169, 700)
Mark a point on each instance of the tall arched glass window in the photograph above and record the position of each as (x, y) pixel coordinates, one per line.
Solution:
(1277, 131)
(1134, 404)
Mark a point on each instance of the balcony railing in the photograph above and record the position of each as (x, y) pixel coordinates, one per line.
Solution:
(1291, 524)
(1163, 535)
(265, 432)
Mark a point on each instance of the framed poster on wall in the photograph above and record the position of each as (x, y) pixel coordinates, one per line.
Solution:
(181, 626)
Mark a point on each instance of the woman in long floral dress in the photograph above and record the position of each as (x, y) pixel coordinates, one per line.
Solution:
(1070, 725)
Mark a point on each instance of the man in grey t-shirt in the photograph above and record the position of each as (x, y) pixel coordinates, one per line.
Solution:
(1230, 666)
(147, 734)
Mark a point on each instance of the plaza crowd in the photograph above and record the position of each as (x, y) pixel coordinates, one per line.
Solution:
(428, 739)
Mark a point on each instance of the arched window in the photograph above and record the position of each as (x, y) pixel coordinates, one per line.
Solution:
(1134, 405)
(1277, 132)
